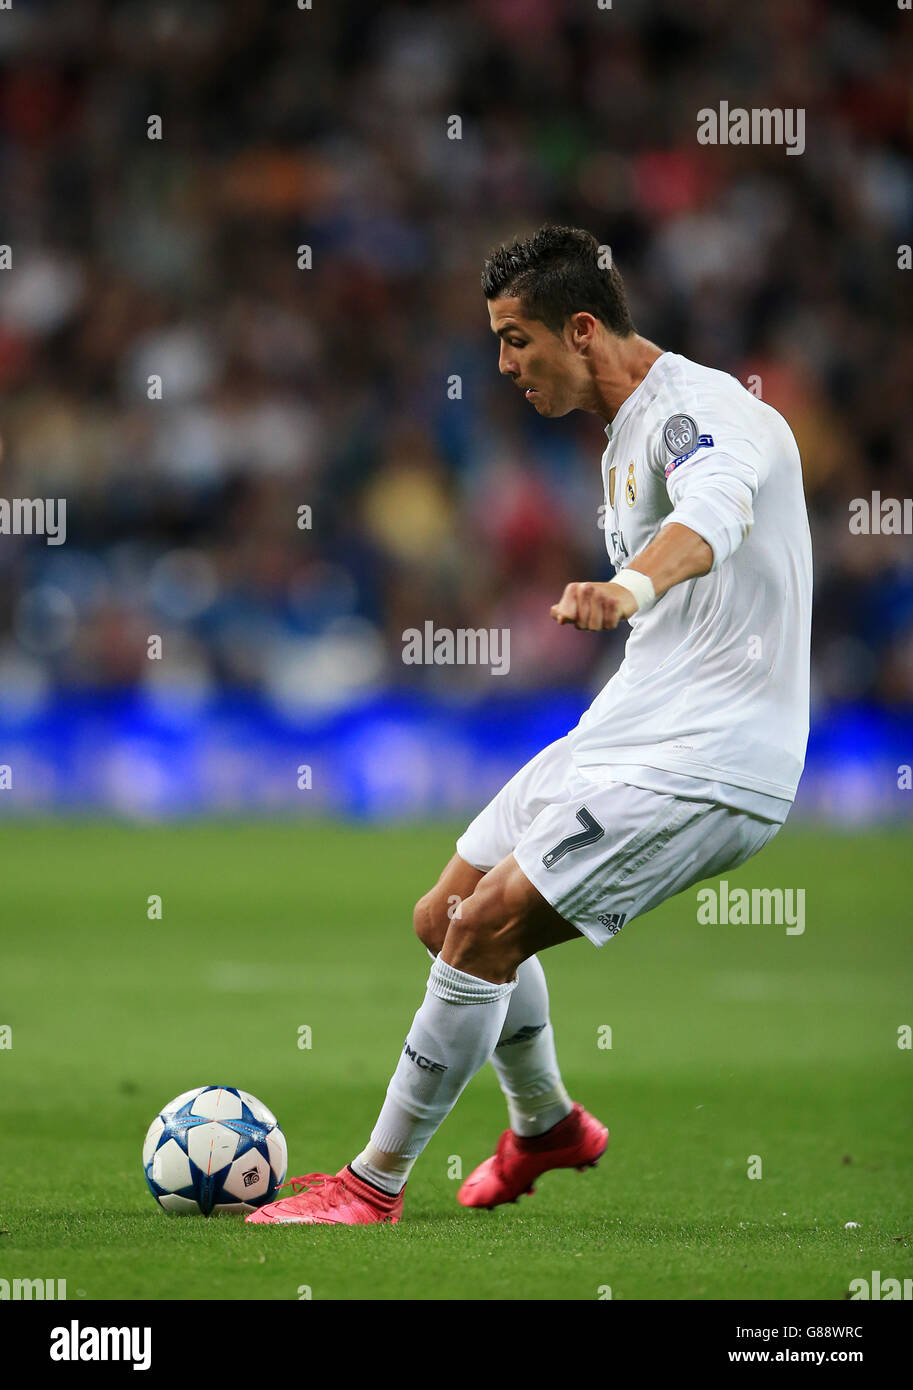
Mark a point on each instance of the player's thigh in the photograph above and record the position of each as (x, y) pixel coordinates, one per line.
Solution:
(603, 858)
(434, 910)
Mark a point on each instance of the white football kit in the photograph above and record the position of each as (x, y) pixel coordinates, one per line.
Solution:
(688, 760)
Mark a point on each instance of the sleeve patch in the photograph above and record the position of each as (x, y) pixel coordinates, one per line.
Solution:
(704, 441)
(680, 434)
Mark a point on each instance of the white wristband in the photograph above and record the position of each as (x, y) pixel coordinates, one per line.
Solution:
(640, 585)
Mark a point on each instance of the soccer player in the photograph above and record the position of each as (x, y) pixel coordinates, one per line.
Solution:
(685, 764)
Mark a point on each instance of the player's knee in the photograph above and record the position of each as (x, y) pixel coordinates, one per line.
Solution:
(484, 913)
(485, 933)
(426, 920)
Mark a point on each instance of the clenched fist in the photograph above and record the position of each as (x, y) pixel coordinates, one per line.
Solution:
(594, 607)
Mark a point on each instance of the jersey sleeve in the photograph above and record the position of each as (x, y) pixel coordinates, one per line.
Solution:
(713, 471)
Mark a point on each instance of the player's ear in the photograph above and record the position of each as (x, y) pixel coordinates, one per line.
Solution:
(582, 328)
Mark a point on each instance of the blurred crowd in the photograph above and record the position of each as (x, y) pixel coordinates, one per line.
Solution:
(359, 380)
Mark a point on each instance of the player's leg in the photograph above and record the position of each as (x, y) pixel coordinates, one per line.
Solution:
(525, 1060)
(433, 912)
(462, 1018)
(606, 855)
(602, 855)
(492, 836)
(636, 848)
(504, 922)
(452, 1036)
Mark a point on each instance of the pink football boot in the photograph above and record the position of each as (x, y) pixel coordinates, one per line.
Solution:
(577, 1141)
(323, 1199)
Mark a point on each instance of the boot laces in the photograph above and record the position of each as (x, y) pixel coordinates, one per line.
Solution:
(335, 1187)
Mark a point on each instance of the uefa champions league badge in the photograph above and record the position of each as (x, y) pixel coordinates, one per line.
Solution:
(681, 438)
(680, 434)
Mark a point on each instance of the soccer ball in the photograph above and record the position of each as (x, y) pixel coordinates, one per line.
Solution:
(214, 1149)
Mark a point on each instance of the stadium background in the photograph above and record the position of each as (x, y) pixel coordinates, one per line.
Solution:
(144, 953)
(327, 387)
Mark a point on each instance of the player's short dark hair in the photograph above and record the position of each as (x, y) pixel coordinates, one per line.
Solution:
(556, 273)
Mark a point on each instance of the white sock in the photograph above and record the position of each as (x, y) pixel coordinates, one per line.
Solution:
(452, 1037)
(524, 1059)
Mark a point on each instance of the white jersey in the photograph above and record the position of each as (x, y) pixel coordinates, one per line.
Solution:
(714, 685)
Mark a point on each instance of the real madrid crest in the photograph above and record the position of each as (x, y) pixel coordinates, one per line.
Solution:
(631, 486)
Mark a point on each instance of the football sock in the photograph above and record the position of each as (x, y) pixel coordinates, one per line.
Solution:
(387, 1172)
(525, 1059)
(452, 1037)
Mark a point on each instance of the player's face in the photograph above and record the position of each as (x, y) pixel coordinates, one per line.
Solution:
(541, 364)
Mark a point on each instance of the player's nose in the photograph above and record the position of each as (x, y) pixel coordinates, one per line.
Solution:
(506, 366)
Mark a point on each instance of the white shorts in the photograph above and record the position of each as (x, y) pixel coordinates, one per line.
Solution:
(603, 853)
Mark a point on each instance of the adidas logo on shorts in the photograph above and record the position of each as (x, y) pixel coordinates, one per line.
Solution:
(613, 921)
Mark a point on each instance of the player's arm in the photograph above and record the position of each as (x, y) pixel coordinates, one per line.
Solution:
(677, 553)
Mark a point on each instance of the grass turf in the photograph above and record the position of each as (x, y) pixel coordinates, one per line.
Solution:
(727, 1042)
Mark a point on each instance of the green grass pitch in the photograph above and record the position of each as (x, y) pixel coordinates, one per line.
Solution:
(727, 1042)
